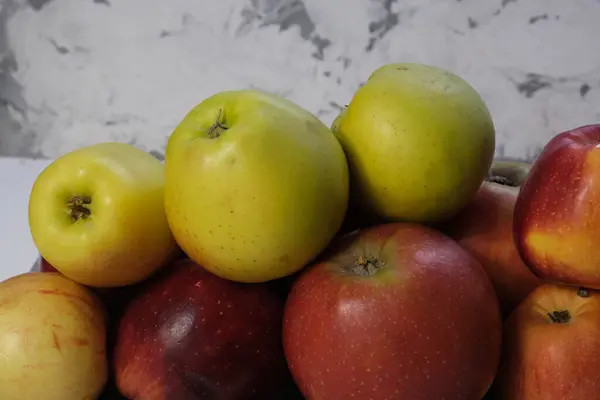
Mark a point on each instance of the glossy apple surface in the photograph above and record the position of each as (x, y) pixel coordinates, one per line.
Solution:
(556, 220)
(190, 334)
(551, 346)
(397, 311)
(97, 215)
(485, 228)
(52, 339)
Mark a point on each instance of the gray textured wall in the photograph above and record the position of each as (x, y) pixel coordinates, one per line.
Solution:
(74, 72)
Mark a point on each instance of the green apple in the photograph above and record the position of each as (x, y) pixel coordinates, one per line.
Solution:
(419, 142)
(97, 215)
(255, 187)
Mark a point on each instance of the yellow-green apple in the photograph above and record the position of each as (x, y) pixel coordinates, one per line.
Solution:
(484, 228)
(192, 335)
(556, 221)
(52, 339)
(256, 186)
(551, 346)
(97, 215)
(419, 141)
(396, 311)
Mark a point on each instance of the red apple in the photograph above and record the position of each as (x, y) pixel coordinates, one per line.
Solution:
(191, 335)
(484, 228)
(552, 346)
(556, 220)
(396, 311)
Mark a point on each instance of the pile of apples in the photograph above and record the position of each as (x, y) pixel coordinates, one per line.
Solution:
(272, 257)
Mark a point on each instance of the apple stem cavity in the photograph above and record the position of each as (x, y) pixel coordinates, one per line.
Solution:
(559, 317)
(583, 292)
(78, 207)
(217, 128)
(365, 266)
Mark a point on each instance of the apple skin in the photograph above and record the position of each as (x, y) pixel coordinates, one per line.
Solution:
(485, 228)
(259, 199)
(122, 235)
(419, 141)
(556, 223)
(52, 339)
(544, 359)
(190, 334)
(426, 325)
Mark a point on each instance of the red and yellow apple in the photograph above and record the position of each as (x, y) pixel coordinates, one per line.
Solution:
(189, 334)
(551, 346)
(396, 311)
(97, 215)
(556, 219)
(485, 228)
(52, 339)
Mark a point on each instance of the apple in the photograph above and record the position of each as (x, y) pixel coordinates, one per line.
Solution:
(396, 311)
(256, 186)
(97, 215)
(52, 339)
(556, 223)
(552, 346)
(419, 141)
(190, 334)
(484, 228)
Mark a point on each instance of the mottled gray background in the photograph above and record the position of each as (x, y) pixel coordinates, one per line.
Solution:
(75, 72)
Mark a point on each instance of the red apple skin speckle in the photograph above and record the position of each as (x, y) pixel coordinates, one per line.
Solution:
(192, 335)
(426, 326)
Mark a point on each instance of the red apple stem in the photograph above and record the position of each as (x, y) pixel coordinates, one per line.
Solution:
(559, 317)
(217, 128)
(78, 207)
(365, 266)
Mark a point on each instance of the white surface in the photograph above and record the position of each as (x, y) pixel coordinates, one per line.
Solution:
(16, 246)
(90, 71)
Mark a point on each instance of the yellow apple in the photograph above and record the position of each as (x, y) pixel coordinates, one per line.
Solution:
(419, 142)
(255, 185)
(52, 339)
(97, 215)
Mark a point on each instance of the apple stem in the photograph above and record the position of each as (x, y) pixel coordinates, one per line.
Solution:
(217, 128)
(78, 207)
(560, 317)
(365, 266)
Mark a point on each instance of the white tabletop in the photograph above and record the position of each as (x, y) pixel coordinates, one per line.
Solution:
(16, 246)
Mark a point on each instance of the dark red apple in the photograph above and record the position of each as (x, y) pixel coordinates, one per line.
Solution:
(556, 220)
(396, 311)
(484, 227)
(552, 346)
(191, 335)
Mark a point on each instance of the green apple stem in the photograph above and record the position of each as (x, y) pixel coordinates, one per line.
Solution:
(365, 266)
(560, 317)
(217, 128)
(78, 207)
